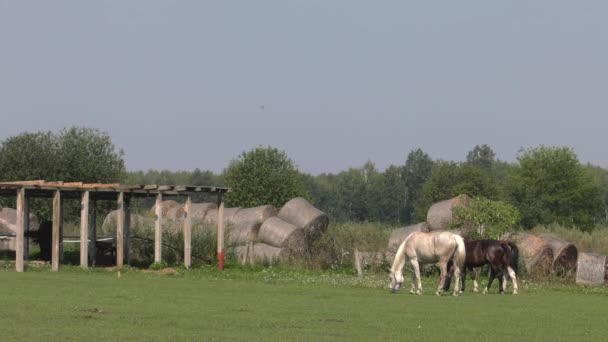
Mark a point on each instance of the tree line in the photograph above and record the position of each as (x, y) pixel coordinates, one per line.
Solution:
(546, 184)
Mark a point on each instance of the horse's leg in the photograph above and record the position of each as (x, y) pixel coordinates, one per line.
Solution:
(474, 278)
(457, 281)
(443, 270)
(513, 278)
(416, 271)
(490, 280)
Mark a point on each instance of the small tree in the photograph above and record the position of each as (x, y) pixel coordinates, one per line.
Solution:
(492, 218)
(263, 176)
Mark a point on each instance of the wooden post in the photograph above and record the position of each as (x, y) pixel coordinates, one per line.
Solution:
(93, 233)
(56, 230)
(187, 233)
(127, 230)
(61, 206)
(26, 226)
(358, 263)
(84, 230)
(120, 226)
(20, 230)
(158, 233)
(220, 234)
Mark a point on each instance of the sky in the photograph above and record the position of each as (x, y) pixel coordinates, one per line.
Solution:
(180, 85)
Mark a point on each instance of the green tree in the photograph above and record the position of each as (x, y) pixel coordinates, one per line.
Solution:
(417, 170)
(550, 185)
(29, 156)
(482, 156)
(263, 176)
(496, 217)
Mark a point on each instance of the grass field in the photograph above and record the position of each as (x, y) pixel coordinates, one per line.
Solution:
(279, 305)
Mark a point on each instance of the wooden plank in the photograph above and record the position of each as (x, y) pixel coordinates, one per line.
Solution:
(220, 235)
(26, 226)
(127, 231)
(84, 230)
(158, 234)
(56, 229)
(120, 227)
(20, 230)
(179, 188)
(61, 219)
(93, 233)
(187, 233)
(150, 187)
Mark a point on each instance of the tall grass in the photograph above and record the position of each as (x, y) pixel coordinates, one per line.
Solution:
(595, 241)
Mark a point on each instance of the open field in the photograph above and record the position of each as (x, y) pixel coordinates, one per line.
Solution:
(274, 304)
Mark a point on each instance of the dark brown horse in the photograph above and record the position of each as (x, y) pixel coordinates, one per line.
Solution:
(498, 254)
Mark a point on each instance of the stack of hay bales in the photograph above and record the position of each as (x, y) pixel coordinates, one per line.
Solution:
(591, 269)
(535, 254)
(564, 254)
(8, 228)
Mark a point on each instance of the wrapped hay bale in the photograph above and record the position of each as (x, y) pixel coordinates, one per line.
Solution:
(534, 253)
(302, 214)
(565, 254)
(440, 215)
(591, 269)
(260, 253)
(398, 235)
(246, 223)
(229, 215)
(110, 222)
(166, 206)
(8, 227)
(278, 233)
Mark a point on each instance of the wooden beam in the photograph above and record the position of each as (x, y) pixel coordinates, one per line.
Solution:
(158, 233)
(84, 230)
(120, 227)
(20, 230)
(56, 230)
(187, 233)
(220, 234)
(93, 233)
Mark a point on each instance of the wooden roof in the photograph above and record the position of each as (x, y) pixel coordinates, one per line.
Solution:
(44, 189)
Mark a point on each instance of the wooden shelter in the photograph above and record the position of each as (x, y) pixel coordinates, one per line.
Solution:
(89, 194)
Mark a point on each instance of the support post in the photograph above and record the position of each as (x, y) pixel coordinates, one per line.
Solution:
(187, 233)
(93, 233)
(56, 230)
(220, 233)
(120, 227)
(84, 230)
(20, 229)
(61, 219)
(26, 227)
(127, 230)
(158, 233)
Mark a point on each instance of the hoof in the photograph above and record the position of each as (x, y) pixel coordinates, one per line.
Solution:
(456, 294)
(476, 290)
(438, 293)
(485, 291)
(514, 292)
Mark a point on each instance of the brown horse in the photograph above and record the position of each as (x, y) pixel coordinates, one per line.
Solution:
(499, 254)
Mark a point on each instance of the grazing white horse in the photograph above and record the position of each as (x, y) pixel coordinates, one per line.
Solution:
(424, 248)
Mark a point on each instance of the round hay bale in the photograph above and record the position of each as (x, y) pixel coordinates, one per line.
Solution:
(260, 253)
(246, 223)
(254, 215)
(565, 254)
(229, 214)
(278, 233)
(302, 214)
(534, 253)
(8, 228)
(440, 215)
(165, 207)
(400, 234)
(109, 222)
(591, 269)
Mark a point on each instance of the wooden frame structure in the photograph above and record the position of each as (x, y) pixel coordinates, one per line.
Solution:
(89, 194)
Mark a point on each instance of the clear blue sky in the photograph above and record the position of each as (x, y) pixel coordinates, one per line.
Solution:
(186, 84)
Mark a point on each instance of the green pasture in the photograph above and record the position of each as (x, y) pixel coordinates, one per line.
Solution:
(281, 305)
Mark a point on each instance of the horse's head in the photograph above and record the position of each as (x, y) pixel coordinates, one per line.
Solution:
(396, 281)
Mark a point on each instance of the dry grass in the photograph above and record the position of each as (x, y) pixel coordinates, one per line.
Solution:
(595, 241)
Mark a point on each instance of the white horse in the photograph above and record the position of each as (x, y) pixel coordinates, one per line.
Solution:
(424, 248)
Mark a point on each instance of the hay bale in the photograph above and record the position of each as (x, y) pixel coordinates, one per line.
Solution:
(302, 214)
(259, 253)
(166, 206)
(400, 234)
(246, 223)
(110, 222)
(229, 215)
(278, 233)
(565, 254)
(8, 227)
(591, 269)
(534, 253)
(440, 215)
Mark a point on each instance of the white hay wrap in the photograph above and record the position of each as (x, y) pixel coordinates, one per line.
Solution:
(441, 214)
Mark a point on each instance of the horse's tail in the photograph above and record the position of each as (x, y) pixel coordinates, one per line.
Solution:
(460, 255)
(512, 254)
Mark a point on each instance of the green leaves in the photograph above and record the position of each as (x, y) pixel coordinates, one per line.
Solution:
(496, 217)
(263, 176)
